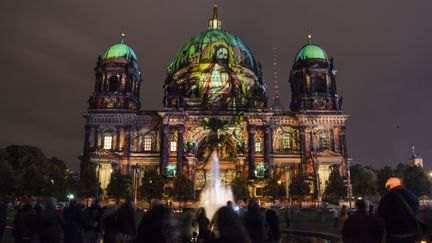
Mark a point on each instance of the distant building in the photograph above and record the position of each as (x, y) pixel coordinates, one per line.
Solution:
(416, 159)
(215, 100)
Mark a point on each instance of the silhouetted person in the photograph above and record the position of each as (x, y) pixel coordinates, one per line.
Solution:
(109, 224)
(273, 225)
(343, 214)
(361, 227)
(254, 222)
(24, 223)
(50, 223)
(371, 209)
(287, 215)
(126, 219)
(157, 225)
(399, 223)
(74, 223)
(230, 204)
(227, 227)
(92, 217)
(203, 224)
(3, 213)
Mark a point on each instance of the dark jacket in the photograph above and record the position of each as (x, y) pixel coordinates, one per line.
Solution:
(361, 227)
(397, 218)
(74, 223)
(50, 226)
(254, 222)
(3, 213)
(24, 223)
(273, 225)
(126, 220)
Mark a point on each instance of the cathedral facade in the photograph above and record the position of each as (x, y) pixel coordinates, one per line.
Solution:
(215, 100)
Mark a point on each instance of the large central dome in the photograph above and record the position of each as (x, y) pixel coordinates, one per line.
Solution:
(203, 48)
(214, 70)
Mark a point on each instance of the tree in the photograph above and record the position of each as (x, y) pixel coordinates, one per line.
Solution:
(299, 186)
(364, 180)
(400, 170)
(152, 185)
(7, 179)
(119, 186)
(275, 188)
(88, 183)
(59, 178)
(48, 176)
(416, 180)
(382, 176)
(335, 188)
(240, 189)
(182, 188)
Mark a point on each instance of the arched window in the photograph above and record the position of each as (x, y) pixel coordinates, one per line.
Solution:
(114, 83)
(107, 141)
(324, 141)
(308, 83)
(258, 147)
(286, 142)
(148, 143)
(173, 146)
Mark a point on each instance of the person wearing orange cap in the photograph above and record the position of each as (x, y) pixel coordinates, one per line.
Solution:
(398, 208)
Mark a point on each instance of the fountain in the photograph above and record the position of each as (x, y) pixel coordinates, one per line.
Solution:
(214, 195)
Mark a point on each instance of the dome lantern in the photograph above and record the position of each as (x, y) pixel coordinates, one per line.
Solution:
(215, 22)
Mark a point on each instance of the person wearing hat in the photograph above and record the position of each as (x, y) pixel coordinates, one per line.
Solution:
(398, 208)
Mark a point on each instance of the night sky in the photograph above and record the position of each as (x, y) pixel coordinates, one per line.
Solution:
(382, 51)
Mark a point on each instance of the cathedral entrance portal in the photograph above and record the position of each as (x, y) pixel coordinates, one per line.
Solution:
(226, 157)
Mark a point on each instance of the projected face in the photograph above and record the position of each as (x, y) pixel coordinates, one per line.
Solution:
(222, 54)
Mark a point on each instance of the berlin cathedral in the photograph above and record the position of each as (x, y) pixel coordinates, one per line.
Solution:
(215, 100)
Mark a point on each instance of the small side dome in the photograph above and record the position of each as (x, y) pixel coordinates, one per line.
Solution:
(120, 50)
(311, 51)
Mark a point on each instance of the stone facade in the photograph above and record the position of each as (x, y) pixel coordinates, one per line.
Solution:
(251, 140)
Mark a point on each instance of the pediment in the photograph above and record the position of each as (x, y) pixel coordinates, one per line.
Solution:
(329, 153)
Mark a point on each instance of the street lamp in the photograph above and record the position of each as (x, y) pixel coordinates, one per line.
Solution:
(70, 196)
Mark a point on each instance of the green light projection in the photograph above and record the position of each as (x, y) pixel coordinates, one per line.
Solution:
(119, 50)
(311, 51)
(214, 69)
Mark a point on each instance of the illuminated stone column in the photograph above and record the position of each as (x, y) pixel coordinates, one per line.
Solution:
(128, 146)
(336, 140)
(98, 140)
(87, 140)
(180, 149)
(251, 155)
(164, 150)
(343, 143)
(314, 141)
(118, 135)
(267, 149)
(303, 148)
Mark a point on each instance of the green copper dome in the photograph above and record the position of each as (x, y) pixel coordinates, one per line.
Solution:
(311, 51)
(204, 47)
(119, 50)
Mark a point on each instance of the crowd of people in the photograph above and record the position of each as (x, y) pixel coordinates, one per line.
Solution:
(42, 222)
(394, 220)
